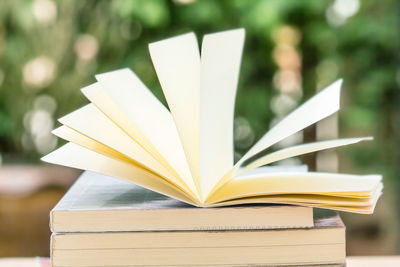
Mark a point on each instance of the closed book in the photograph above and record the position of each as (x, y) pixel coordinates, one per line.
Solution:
(322, 245)
(99, 203)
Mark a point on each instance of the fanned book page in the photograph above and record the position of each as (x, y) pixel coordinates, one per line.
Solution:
(186, 151)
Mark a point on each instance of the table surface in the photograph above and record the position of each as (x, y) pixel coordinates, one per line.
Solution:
(370, 261)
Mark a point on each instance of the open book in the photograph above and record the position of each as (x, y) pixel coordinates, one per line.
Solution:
(186, 152)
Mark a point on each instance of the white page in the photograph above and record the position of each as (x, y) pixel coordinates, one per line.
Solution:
(300, 150)
(320, 106)
(220, 63)
(127, 101)
(177, 63)
(75, 156)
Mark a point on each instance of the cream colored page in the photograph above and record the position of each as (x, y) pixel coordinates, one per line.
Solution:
(299, 150)
(220, 63)
(297, 183)
(99, 97)
(130, 105)
(105, 131)
(177, 63)
(75, 156)
(365, 209)
(304, 198)
(320, 106)
(77, 138)
(315, 109)
(312, 199)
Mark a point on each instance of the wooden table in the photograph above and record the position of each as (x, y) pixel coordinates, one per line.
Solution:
(371, 261)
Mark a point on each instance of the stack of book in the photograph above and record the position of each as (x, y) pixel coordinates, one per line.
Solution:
(103, 221)
(206, 209)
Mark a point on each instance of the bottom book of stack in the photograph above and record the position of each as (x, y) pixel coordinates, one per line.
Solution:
(102, 221)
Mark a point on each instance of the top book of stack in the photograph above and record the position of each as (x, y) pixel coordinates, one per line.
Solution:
(99, 203)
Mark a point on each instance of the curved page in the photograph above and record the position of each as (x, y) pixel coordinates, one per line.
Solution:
(220, 63)
(297, 183)
(75, 156)
(177, 63)
(75, 137)
(104, 130)
(297, 150)
(124, 99)
(320, 106)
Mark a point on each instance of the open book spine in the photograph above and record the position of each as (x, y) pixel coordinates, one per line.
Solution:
(187, 152)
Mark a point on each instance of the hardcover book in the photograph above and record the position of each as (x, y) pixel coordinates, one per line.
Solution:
(186, 152)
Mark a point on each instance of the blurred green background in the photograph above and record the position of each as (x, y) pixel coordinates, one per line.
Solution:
(50, 49)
